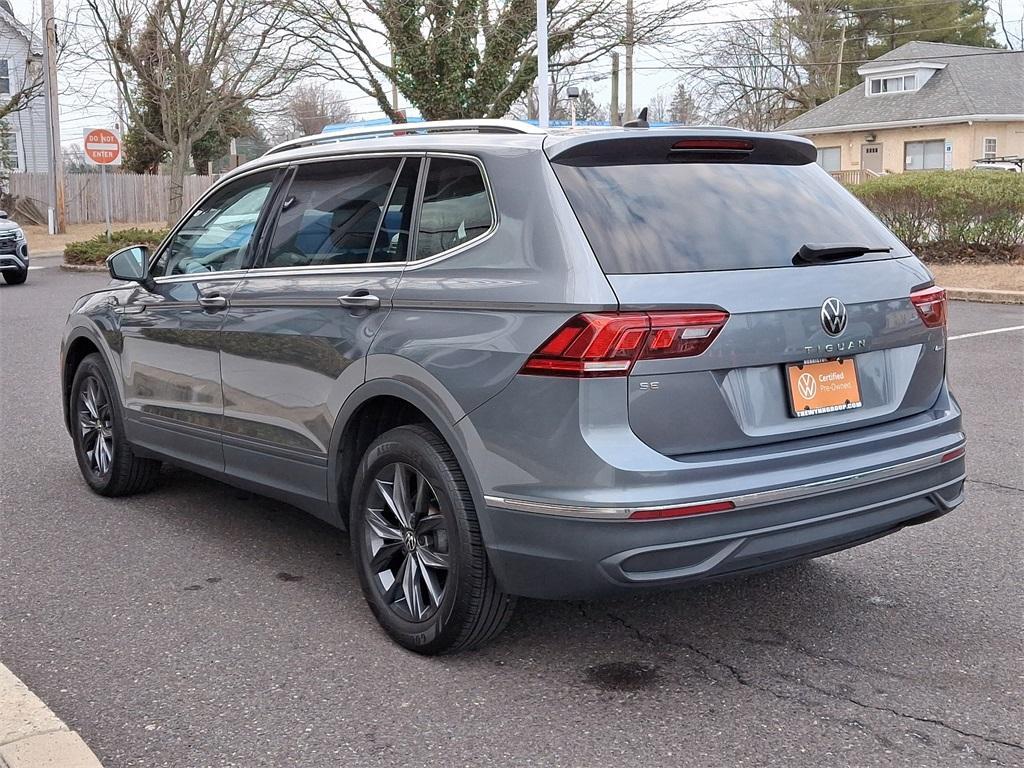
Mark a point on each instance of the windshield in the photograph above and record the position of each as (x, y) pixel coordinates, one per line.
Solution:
(694, 217)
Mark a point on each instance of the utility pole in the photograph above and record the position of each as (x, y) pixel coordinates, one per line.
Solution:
(543, 86)
(614, 116)
(56, 161)
(839, 61)
(629, 59)
(394, 85)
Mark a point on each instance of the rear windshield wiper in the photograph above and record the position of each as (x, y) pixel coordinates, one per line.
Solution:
(822, 253)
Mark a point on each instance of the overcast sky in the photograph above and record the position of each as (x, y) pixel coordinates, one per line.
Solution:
(88, 101)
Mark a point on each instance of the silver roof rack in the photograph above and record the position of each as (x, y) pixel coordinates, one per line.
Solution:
(427, 126)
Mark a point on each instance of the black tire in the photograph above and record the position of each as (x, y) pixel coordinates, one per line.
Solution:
(13, 277)
(470, 609)
(117, 471)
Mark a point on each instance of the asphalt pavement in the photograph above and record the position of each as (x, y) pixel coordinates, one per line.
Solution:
(197, 626)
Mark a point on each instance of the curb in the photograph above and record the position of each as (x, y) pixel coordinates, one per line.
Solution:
(986, 295)
(82, 267)
(31, 736)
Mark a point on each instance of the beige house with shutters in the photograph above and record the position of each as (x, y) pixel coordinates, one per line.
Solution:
(922, 106)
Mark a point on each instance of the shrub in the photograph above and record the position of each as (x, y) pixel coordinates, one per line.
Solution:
(951, 212)
(96, 249)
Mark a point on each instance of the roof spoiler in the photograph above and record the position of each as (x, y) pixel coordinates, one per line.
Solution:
(634, 147)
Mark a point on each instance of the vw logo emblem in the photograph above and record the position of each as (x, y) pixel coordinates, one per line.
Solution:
(833, 316)
(808, 386)
(409, 541)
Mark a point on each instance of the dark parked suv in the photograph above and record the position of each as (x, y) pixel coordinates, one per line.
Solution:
(13, 251)
(510, 362)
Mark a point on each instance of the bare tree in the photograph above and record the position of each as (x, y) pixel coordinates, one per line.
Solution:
(192, 62)
(469, 58)
(1013, 31)
(761, 72)
(311, 107)
(657, 110)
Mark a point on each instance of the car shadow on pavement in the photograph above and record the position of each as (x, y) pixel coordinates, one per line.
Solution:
(812, 600)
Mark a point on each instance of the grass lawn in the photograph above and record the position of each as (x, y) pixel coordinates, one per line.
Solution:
(994, 277)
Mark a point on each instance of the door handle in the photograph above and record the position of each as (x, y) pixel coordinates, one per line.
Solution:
(360, 301)
(213, 302)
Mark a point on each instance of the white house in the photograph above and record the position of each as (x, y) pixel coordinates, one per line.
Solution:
(21, 61)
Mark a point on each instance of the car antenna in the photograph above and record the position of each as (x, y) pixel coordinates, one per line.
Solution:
(640, 122)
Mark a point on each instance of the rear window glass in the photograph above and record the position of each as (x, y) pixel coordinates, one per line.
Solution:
(698, 217)
(455, 208)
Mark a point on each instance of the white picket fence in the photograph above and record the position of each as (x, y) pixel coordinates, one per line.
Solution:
(134, 198)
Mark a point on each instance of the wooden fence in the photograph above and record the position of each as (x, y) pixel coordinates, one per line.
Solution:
(134, 198)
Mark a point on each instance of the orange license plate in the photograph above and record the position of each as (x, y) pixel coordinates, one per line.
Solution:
(823, 386)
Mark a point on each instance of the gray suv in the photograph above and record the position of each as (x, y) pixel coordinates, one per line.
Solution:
(511, 362)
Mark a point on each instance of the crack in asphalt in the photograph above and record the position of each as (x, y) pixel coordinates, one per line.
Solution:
(791, 644)
(917, 718)
(996, 485)
(743, 680)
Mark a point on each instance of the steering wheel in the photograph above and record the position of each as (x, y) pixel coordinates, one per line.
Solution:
(208, 263)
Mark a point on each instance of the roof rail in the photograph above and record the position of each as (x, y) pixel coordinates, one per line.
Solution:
(426, 126)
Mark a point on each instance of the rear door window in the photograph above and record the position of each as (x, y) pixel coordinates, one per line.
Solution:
(693, 217)
(331, 211)
(456, 208)
(392, 243)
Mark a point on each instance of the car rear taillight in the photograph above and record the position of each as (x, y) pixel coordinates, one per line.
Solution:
(608, 344)
(931, 306)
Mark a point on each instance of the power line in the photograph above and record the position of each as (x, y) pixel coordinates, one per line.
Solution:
(837, 11)
(681, 67)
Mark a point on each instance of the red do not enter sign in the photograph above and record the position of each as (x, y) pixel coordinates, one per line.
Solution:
(103, 146)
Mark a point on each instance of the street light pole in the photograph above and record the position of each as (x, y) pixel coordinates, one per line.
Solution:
(543, 86)
(630, 32)
(56, 161)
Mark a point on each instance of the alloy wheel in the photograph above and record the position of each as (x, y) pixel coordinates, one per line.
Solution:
(408, 542)
(96, 426)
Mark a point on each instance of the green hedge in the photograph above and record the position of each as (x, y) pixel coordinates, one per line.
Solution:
(977, 212)
(96, 249)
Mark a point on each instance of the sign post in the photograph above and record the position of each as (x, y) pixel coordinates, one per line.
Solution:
(103, 148)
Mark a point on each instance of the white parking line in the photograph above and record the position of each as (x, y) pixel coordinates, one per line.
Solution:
(986, 333)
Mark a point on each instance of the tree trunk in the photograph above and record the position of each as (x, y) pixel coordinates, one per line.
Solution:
(179, 164)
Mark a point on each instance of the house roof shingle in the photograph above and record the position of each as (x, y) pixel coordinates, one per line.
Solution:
(975, 81)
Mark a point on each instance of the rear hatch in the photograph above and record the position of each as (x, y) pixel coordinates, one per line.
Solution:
(821, 334)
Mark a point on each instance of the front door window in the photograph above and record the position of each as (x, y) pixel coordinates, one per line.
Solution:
(217, 236)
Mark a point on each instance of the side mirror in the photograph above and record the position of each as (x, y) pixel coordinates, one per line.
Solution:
(3, 214)
(132, 264)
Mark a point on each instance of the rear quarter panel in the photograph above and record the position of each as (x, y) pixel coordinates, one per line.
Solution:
(461, 327)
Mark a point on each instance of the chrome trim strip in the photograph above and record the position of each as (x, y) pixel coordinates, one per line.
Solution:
(362, 267)
(760, 498)
(21, 264)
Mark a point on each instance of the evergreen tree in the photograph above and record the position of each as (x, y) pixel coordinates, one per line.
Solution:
(683, 109)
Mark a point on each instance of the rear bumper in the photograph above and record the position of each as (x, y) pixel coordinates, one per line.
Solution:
(568, 557)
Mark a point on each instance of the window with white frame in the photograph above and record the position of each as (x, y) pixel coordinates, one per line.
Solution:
(5, 76)
(892, 84)
(829, 158)
(10, 154)
(989, 148)
(925, 155)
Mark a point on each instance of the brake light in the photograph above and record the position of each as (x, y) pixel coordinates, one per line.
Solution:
(670, 512)
(608, 344)
(731, 145)
(930, 304)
